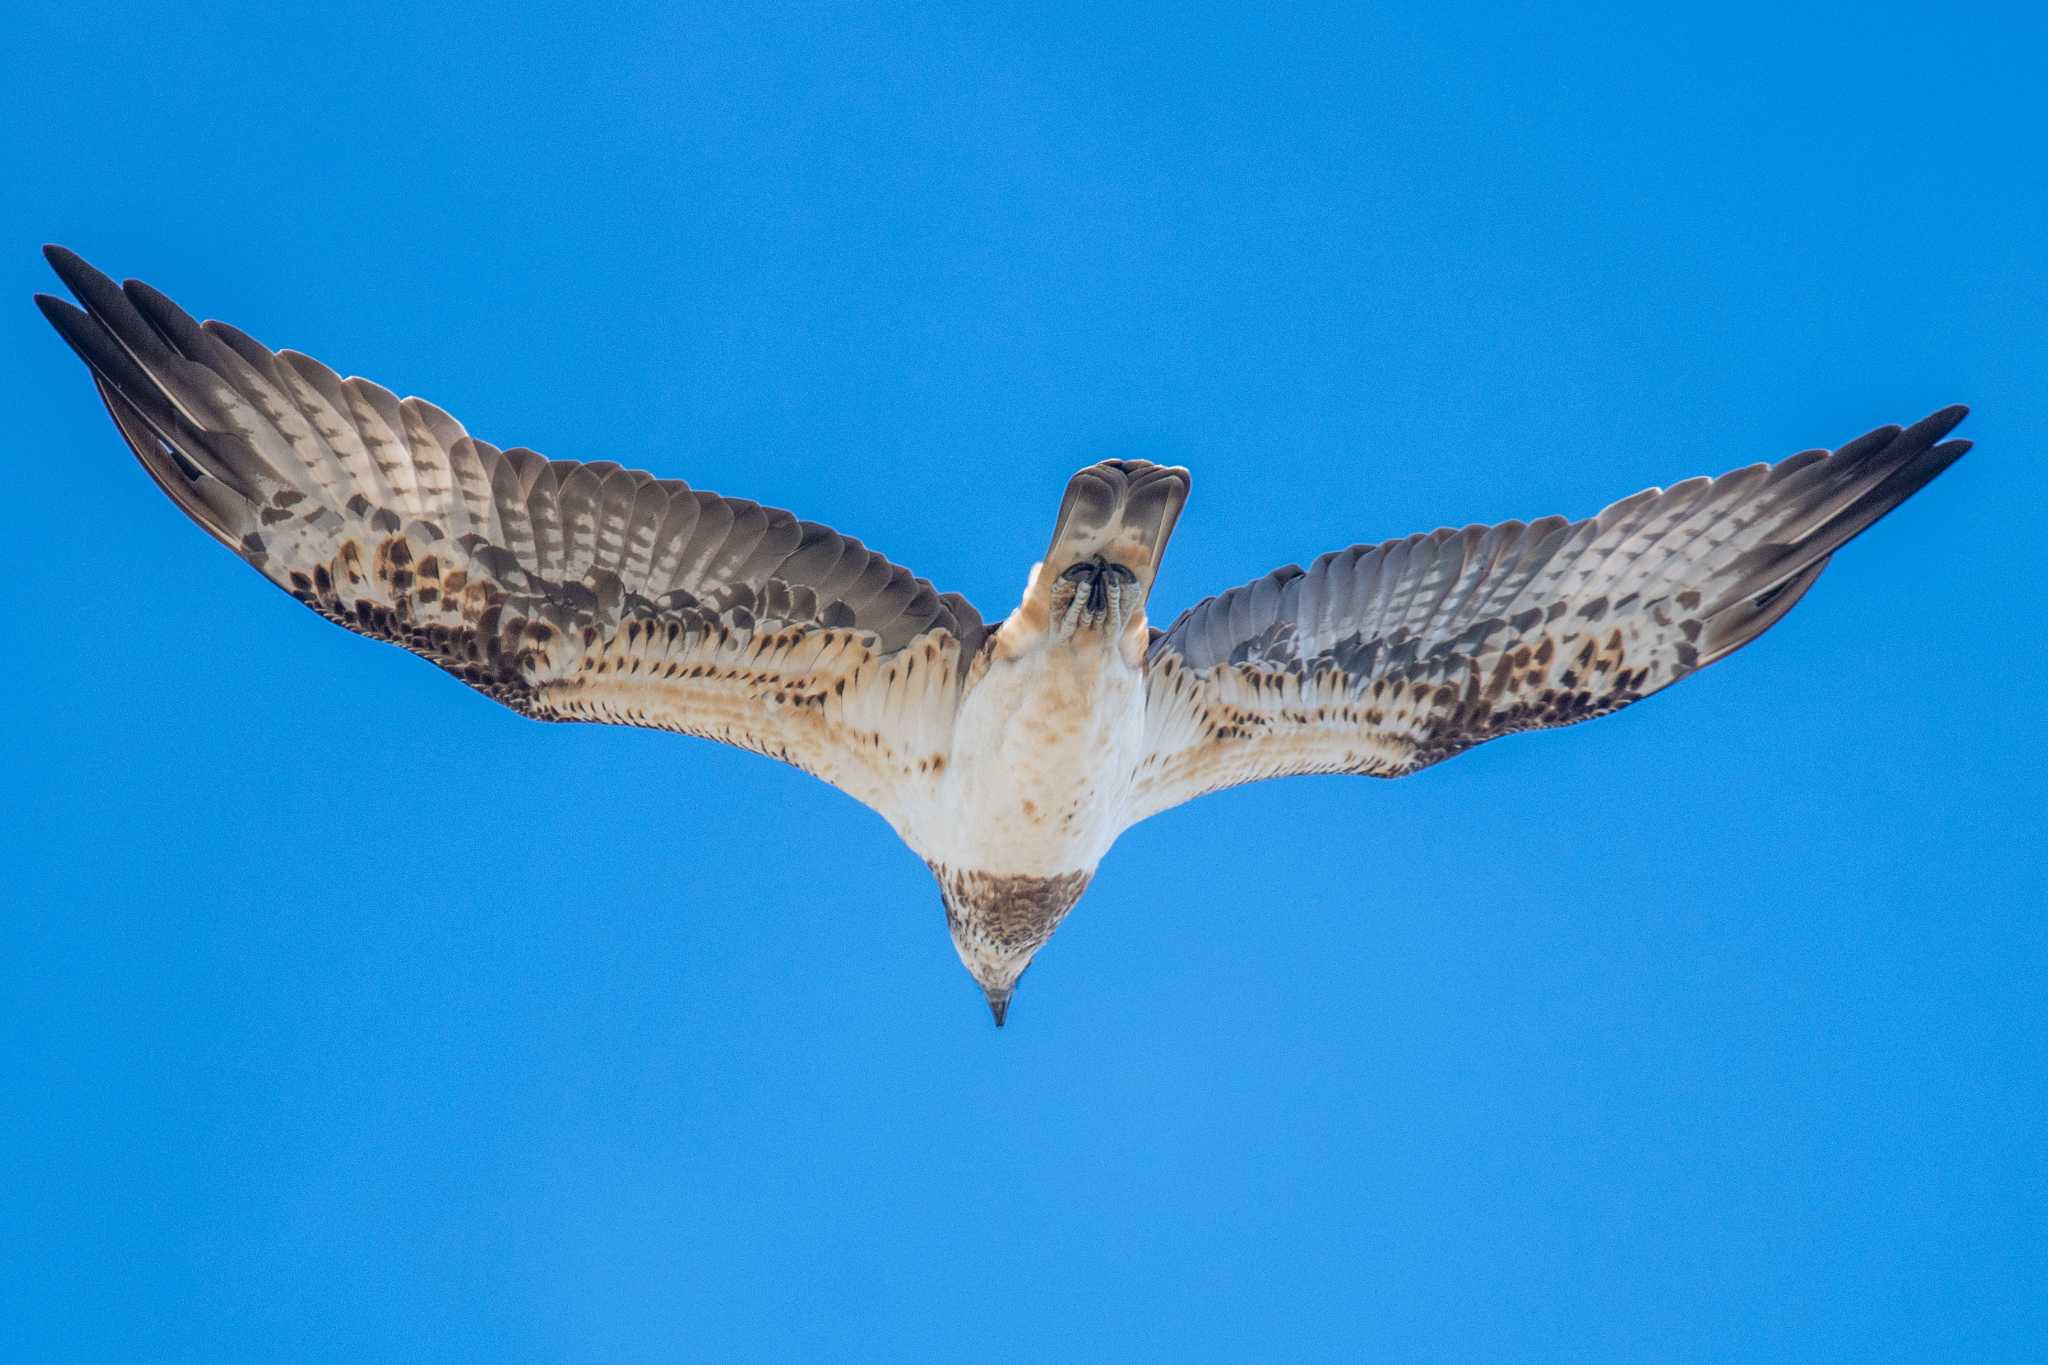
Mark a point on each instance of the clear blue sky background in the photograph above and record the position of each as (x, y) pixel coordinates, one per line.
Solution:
(347, 1017)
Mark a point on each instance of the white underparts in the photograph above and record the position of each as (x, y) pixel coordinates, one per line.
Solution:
(1044, 751)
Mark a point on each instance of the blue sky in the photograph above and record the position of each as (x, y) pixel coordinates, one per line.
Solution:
(348, 1017)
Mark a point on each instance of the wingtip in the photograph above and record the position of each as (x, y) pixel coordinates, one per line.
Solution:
(144, 290)
(88, 284)
(1939, 423)
(73, 323)
(54, 307)
(72, 268)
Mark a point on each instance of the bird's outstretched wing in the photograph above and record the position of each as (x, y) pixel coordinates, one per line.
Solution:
(1383, 659)
(565, 591)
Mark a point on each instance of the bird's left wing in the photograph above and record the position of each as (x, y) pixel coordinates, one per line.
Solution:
(1383, 659)
(564, 591)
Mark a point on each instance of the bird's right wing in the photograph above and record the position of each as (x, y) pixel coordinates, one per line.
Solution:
(565, 591)
(1383, 659)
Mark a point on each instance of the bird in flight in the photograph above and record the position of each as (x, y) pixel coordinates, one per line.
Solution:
(1009, 756)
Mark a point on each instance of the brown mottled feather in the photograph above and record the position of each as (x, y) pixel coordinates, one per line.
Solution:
(565, 591)
(1383, 659)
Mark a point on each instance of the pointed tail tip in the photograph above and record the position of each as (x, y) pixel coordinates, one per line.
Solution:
(999, 1006)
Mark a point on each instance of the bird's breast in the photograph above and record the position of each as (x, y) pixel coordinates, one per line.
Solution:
(1041, 768)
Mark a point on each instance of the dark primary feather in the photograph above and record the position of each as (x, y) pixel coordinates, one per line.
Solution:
(497, 565)
(1434, 643)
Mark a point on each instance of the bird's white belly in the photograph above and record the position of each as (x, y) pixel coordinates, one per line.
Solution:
(1040, 774)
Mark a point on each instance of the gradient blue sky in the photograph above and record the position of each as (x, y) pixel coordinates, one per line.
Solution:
(347, 1017)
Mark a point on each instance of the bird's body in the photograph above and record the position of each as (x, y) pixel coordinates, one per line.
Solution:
(1039, 780)
(1009, 758)
(1045, 751)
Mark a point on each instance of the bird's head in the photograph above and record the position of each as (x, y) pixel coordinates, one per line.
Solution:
(1000, 921)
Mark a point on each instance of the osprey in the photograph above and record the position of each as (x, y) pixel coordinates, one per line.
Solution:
(1009, 757)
